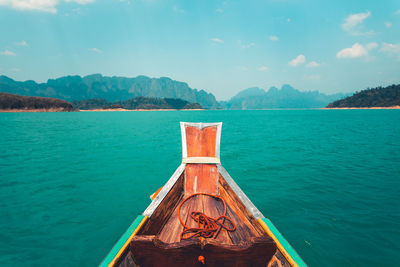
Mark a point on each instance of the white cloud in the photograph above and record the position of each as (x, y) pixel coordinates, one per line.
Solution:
(22, 43)
(300, 59)
(15, 69)
(245, 46)
(217, 40)
(354, 19)
(81, 2)
(371, 46)
(391, 49)
(178, 10)
(353, 24)
(94, 49)
(273, 38)
(388, 24)
(313, 64)
(398, 12)
(39, 5)
(263, 68)
(7, 53)
(355, 51)
(219, 10)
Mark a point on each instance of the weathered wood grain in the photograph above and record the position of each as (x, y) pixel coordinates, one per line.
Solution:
(278, 260)
(201, 142)
(150, 251)
(242, 233)
(172, 230)
(161, 214)
(214, 208)
(201, 178)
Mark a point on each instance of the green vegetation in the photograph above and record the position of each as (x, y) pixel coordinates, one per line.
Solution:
(136, 103)
(94, 103)
(12, 102)
(375, 97)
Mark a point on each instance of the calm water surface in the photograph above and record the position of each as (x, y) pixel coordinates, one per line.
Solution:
(71, 183)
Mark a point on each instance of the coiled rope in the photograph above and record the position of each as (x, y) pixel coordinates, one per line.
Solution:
(207, 227)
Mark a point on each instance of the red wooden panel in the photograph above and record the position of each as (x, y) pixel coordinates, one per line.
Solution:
(201, 178)
(201, 142)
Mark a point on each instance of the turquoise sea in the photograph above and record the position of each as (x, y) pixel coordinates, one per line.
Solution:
(71, 183)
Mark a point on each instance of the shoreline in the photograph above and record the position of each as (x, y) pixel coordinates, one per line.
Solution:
(89, 110)
(392, 107)
(36, 110)
(123, 109)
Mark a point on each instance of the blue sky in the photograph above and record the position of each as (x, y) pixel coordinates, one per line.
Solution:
(219, 46)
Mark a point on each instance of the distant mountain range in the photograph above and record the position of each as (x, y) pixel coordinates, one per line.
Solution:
(375, 97)
(111, 89)
(286, 97)
(75, 88)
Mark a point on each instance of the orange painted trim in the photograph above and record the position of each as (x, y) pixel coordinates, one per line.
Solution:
(126, 244)
(153, 196)
(278, 244)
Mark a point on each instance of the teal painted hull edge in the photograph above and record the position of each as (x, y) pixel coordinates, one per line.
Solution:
(121, 241)
(284, 243)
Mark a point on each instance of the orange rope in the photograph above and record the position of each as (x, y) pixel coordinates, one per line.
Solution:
(207, 227)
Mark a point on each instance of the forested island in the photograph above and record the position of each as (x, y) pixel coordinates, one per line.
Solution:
(10, 102)
(141, 103)
(384, 97)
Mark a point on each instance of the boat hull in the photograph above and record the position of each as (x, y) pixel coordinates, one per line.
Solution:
(202, 217)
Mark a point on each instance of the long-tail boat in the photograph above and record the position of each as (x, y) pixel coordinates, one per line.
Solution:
(201, 217)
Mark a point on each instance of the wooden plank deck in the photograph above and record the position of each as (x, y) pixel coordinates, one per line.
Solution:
(245, 229)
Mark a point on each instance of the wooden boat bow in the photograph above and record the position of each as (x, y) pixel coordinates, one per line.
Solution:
(202, 217)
